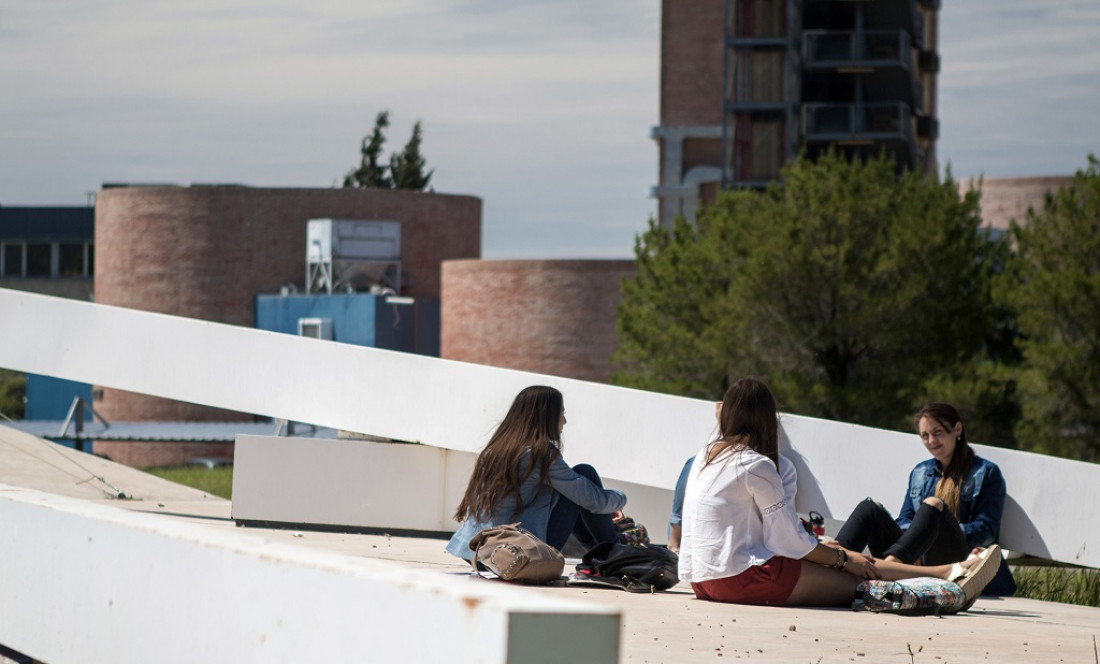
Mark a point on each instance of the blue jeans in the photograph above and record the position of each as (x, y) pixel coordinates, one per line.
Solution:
(568, 518)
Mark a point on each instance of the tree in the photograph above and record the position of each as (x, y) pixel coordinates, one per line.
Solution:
(405, 170)
(13, 389)
(846, 286)
(370, 173)
(1054, 287)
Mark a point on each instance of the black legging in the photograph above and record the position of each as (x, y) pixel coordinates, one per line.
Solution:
(568, 518)
(933, 535)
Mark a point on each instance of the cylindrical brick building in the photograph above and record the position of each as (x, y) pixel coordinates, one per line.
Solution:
(206, 251)
(548, 316)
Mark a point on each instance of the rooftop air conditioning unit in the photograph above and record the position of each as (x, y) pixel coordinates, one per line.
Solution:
(352, 253)
(318, 328)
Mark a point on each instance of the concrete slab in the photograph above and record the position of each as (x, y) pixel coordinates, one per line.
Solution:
(666, 627)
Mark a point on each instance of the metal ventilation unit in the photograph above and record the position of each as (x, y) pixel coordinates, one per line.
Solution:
(352, 254)
(318, 328)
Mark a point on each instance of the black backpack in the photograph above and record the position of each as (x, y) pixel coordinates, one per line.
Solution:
(643, 568)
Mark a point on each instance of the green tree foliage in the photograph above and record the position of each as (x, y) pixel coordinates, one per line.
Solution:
(371, 173)
(847, 287)
(1054, 287)
(13, 389)
(406, 169)
(984, 388)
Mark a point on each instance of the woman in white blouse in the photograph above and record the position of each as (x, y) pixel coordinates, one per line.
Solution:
(742, 541)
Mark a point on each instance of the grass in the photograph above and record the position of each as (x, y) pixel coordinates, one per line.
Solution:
(216, 481)
(1068, 585)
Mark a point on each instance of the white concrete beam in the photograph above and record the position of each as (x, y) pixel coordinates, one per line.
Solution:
(629, 435)
(396, 395)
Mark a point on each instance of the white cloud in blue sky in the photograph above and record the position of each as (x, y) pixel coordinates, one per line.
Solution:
(541, 109)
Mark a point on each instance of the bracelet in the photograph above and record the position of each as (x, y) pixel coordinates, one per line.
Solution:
(841, 558)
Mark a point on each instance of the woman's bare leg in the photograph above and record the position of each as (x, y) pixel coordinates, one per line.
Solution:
(822, 586)
(895, 571)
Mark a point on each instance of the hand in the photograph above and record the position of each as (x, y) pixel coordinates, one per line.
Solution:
(617, 516)
(861, 566)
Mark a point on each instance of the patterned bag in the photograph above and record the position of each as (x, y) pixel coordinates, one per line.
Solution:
(631, 532)
(921, 596)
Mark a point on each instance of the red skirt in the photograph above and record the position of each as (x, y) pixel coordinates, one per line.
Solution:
(768, 584)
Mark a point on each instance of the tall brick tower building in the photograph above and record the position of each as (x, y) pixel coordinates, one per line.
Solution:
(746, 84)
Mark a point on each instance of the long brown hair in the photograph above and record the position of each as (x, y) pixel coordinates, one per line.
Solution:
(532, 426)
(749, 419)
(949, 488)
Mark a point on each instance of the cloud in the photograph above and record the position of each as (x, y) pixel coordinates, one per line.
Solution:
(540, 108)
(1018, 92)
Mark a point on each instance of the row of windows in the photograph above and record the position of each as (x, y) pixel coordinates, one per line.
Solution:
(46, 259)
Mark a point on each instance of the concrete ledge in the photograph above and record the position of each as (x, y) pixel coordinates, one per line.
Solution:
(85, 582)
(366, 486)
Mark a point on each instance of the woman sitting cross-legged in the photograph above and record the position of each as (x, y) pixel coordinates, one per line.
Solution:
(953, 504)
(742, 541)
(521, 476)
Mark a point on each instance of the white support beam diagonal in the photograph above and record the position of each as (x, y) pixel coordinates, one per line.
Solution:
(629, 435)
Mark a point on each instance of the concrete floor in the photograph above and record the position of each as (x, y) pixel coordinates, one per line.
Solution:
(666, 627)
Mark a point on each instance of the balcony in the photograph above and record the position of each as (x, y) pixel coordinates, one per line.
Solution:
(827, 49)
(857, 123)
(885, 58)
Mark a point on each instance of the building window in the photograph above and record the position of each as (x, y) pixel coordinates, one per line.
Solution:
(39, 255)
(12, 259)
(71, 259)
(47, 259)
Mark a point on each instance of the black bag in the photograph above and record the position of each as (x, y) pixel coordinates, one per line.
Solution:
(640, 568)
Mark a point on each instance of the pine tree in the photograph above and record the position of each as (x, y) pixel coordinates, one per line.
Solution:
(370, 173)
(407, 168)
(1054, 288)
(846, 286)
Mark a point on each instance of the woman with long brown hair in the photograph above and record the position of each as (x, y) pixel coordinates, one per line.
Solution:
(521, 477)
(742, 541)
(952, 505)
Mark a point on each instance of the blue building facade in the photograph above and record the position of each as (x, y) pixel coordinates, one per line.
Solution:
(363, 319)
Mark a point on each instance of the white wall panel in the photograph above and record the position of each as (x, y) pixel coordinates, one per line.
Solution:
(363, 484)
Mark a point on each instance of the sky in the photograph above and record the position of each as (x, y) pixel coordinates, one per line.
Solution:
(541, 109)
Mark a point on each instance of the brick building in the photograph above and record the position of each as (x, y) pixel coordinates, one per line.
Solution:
(206, 251)
(548, 316)
(746, 84)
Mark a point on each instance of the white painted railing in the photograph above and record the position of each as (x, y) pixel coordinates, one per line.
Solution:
(629, 435)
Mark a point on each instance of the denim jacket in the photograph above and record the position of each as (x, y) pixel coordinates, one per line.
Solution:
(981, 500)
(537, 505)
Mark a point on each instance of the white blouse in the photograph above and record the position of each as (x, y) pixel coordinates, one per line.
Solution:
(736, 515)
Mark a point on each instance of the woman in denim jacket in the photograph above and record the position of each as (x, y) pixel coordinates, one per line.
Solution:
(521, 477)
(953, 504)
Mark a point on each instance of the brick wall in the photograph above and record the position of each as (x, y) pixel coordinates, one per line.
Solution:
(554, 316)
(1004, 199)
(691, 62)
